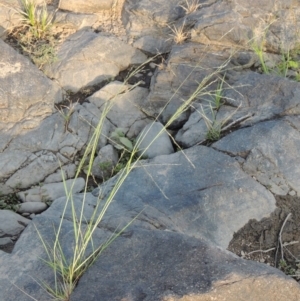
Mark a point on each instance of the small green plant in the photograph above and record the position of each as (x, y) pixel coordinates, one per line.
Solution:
(40, 51)
(66, 112)
(35, 36)
(119, 140)
(214, 132)
(289, 61)
(105, 165)
(218, 95)
(9, 202)
(258, 50)
(38, 19)
(287, 268)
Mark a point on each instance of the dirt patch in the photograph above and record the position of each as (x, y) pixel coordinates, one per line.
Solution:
(259, 240)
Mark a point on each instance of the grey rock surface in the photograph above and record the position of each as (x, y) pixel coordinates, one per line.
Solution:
(184, 207)
(105, 162)
(107, 56)
(271, 153)
(26, 153)
(125, 112)
(178, 267)
(32, 207)
(74, 20)
(68, 171)
(154, 141)
(40, 165)
(263, 97)
(26, 95)
(164, 253)
(146, 23)
(11, 223)
(196, 192)
(182, 79)
(82, 6)
(4, 241)
(196, 128)
(51, 192)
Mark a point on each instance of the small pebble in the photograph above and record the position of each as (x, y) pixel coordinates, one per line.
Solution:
(292, 192)
(32, 207)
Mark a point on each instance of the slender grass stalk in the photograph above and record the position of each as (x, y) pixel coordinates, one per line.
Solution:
(258, 49)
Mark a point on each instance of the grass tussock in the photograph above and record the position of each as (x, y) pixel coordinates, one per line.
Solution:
(35, 36)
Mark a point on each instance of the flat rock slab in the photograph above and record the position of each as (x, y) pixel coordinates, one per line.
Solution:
(254, 98)
(160, 265)
(271, 153)
(26, 94)
(25, 267)
(172, 266)
(51, 192)
(11, 223)
(87, 58)
(183, 77)
(25, 153)
(197, 193)
(32, 207)
(83, 6)
(147, 23)
(263, 97)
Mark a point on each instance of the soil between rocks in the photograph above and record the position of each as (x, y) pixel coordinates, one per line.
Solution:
(263, 237)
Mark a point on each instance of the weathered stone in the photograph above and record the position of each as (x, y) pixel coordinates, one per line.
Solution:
(11, 223)
(83, 6)
(105, 162)
(125, 112)
(51, 192)
(196, 128)
(32, 207)
(263, 97)
(87, 58)
(27, 253)
(165, 251)
(26, 93)
(68, 171)
(75, 21)
(147, 23)
(154, 141)
(105, 127)
(64, 139)
(40, 167)
(4, 241)
(194, 192)
(271, 152)
(153, 45)
(189, 69)
(179, 268)
(11, 161)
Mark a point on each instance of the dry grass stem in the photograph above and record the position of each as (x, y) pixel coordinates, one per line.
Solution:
(179, 35)
(190, 6)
